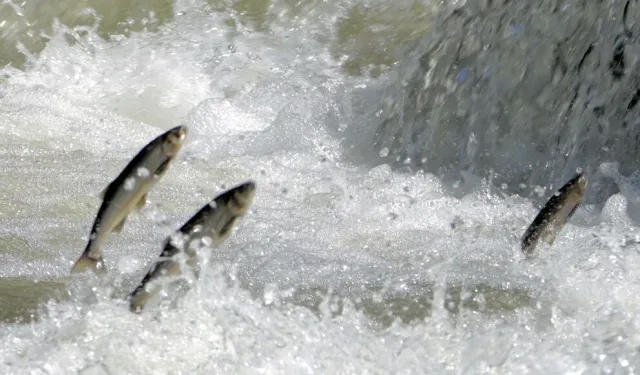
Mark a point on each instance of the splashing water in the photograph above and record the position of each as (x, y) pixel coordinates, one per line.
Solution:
(338, 268)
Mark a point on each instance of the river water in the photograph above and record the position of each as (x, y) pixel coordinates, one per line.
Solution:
(347, 262)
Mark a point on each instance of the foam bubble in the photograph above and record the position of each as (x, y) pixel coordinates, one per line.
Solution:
(338, 267)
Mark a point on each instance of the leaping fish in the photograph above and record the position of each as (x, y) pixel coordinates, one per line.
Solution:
(211, 226)
(128, 192)
(555, 214)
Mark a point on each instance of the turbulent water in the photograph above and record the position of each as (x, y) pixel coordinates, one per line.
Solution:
(520, 92)
(353, 259)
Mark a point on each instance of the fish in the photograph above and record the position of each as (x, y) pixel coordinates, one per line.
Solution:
(209, 227)
(128, 192)
(555, 214)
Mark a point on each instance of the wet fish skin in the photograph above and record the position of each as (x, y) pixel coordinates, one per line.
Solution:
(212, 224)
(555, 214)
(127, 192)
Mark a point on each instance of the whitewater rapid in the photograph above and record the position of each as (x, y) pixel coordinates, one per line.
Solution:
(338, 268)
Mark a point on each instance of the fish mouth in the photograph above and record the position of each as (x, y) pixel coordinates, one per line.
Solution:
(246, 190)
(174, 140)
(583, 180)
(579, 180)
(241, 197)
(248, 186)
(179, 133)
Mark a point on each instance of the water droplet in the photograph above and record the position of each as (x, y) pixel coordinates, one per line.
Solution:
(129, 183)
(623, 362)
(143, 172)
(539, 190)
(270, 294)
(207, 241)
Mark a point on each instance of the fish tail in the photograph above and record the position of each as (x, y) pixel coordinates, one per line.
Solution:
(140, 297)
(86, 262)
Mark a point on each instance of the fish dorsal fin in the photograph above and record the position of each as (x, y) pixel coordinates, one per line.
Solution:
(141, 202)
(118, 228)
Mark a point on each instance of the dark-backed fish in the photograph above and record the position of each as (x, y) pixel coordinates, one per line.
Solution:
(209, 227)
(128, 192)
(555, 214)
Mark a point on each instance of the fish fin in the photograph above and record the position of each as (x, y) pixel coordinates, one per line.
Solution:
(139, 298)
(226, 229)
(573, 211)
(118, 228)
(551, 237)
(85, 262)
(162, 169)
(555, 229)
(141, 202)
(551, 233)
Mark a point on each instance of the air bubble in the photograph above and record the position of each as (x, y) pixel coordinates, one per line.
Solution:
(129, 183)
(143, 172)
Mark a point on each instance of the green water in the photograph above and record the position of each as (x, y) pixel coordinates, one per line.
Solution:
(21, 298)
(365, 39)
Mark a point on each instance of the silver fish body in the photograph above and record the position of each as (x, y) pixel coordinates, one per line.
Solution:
(209, 227)
(127, 192)
(555, 214)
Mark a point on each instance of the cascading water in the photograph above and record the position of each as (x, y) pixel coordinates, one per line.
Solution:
(522, 92)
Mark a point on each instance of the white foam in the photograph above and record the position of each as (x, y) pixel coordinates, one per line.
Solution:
(318, 223)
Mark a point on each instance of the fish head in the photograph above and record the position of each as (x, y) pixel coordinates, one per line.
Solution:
(174, 140)
(574, 190)
(580, 183)
(243, 196)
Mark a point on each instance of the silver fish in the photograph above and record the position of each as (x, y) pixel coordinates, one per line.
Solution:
(555, 214)
(128, 192)
(209, 226)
